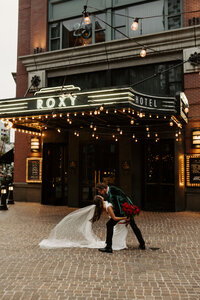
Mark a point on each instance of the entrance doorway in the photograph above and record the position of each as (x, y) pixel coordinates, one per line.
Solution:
(54, 175)
(159, 176)
(98, 162)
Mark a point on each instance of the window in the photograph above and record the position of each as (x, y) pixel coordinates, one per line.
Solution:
(153, 16)
(119, 24)
(75, 33)
(55, 36)
(145, 11)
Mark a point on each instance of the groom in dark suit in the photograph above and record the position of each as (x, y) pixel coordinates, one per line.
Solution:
(117, 197)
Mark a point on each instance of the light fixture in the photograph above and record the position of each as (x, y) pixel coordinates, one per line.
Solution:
(134, 25)
(196, 138)
(86, 16)
(186, 109)
(143, 52)
(35, 144)
(3, 205)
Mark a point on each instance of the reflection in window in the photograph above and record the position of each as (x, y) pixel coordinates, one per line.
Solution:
(75, 33)
(174, 19)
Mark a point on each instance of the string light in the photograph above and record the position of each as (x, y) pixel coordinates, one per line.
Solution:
(86, 16)
(143, 52)
(134, 25)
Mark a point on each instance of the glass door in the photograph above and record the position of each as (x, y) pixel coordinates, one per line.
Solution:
(54, 175)
(159, 176)
(98, 162)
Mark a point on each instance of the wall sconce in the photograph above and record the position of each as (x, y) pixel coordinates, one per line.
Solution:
(35, 144)
(196, 138)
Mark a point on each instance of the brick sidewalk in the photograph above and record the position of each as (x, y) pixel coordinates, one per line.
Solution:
(30, 273)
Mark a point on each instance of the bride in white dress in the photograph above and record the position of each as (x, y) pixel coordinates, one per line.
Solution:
(75, 230)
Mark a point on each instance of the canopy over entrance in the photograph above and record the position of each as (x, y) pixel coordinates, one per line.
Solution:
(109, 110)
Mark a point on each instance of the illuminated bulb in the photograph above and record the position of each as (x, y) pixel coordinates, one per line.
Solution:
(106, 111)
(132, 112)
(157, 116)
(90, 112)
(121, 132)
(97, 137)
(133, 136)
(87, 19)
(95, 112)
(93, 135)
(150, 116)
(186, 110)
(101, 108)
(140, 115)
(136, 140)
(147, 128)
(156, 134)
(60, 115)
(124, 110)
(176, 134)
(58, 130)
(171, 123)
(148, 134)
(132, 121)
(115, 111)
(77, 134)
(75, 114)
(95, 128)
(134, 25)
(83, 113)
(116, 140)
(143, 52)
(113, 136)
(91, 125)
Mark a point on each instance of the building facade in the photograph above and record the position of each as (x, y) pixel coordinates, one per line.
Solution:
(89, 108)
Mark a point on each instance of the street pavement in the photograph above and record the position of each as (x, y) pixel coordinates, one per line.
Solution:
(168, 269)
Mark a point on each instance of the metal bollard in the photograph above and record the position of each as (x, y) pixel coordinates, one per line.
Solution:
(3, 205)
(10, 194)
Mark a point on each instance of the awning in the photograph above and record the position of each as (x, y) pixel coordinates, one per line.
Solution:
(8, 157)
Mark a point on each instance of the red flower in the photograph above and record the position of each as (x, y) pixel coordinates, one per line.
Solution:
(130, 210)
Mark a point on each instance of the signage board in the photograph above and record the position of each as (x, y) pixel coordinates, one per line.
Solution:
(34, 170)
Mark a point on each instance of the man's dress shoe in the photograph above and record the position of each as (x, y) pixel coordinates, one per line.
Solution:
(107, 250)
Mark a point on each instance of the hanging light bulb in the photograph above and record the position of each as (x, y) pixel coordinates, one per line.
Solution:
(143, 52)
(86, 16)
(171, 123)
(134, 25)
(133, 136)
(132, 121)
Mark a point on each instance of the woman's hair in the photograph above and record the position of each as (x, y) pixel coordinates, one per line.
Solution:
(98, 209)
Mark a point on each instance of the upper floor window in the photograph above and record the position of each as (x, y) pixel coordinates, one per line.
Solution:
(74, 32)
(153, 16)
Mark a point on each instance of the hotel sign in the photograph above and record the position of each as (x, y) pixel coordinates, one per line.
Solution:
(69, 98)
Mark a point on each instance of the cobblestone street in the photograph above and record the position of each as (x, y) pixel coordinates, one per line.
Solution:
(28, 272)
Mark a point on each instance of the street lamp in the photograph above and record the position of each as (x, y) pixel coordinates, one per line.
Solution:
(10, 194)
(3, 205)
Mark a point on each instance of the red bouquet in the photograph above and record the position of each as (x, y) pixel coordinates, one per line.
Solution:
(130, 210)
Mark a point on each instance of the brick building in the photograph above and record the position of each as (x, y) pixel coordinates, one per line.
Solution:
(100, 111)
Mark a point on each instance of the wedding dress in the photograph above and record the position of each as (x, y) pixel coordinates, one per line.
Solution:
(75, 230)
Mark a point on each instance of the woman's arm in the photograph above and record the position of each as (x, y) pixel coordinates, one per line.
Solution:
(112, 215)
